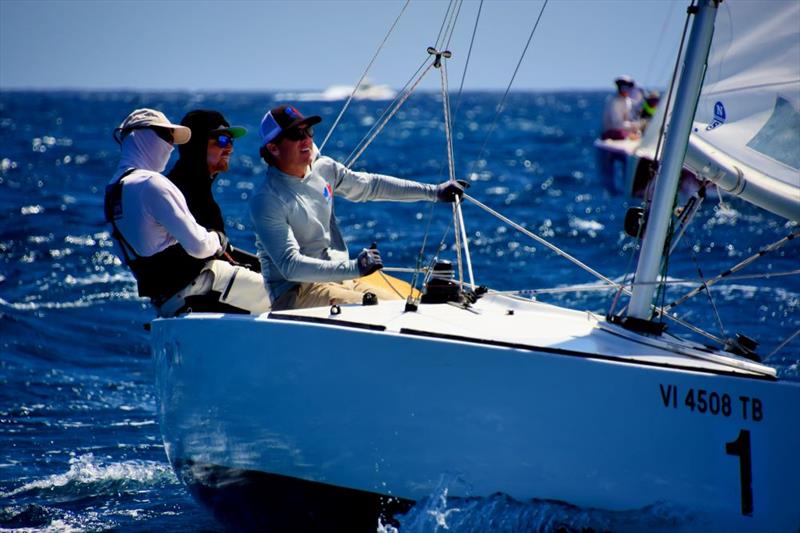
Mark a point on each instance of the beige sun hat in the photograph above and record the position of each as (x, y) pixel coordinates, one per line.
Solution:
(145, 118)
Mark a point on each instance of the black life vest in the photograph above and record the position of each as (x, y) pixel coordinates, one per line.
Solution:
(160, 275)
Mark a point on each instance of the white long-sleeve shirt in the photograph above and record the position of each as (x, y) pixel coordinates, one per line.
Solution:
(618, 114)
(154, 211)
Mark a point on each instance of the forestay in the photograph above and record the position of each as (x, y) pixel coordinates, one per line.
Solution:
(747, 125)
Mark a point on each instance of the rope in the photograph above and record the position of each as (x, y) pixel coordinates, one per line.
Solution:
(364, 75)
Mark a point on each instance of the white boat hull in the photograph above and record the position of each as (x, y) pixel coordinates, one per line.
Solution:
(398, 413)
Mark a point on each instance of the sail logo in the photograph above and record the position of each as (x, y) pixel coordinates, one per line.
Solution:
(719, 116)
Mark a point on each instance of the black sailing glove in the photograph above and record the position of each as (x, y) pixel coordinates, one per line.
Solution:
(448, 191)
(369, 261)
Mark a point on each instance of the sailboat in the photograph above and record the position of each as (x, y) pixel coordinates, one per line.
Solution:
(338, 417)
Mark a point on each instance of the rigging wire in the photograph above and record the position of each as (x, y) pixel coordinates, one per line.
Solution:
(784, 343)
(364, 75)
(445, 24)
(585, 267)
(466, 64)
(674, 81)
(597, 288)
(389, 108)
(661, 35)
(767, 249)
(500, 106)
(452, 26)
(381, 124)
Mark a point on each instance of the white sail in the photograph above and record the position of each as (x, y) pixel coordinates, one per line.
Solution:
(746, 135)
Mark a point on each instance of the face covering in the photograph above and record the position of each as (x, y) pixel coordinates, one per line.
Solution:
(146, 150)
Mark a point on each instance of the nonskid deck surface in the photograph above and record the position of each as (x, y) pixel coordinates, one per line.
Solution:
(503, 321)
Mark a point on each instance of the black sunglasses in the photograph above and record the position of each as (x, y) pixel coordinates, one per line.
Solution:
(298, 134)
(164, 134)
(223, 140)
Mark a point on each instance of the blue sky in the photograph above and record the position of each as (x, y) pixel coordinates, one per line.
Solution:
(279, 45)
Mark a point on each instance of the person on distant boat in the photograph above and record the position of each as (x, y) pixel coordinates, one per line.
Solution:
(648, 110)
(620, 121)
(304, 259)
(202, 159)
(174, 259)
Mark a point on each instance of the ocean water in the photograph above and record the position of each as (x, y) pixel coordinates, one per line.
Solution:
(80, 447)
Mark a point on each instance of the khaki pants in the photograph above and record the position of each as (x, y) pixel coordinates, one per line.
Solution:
(350, 291)
(236, 285)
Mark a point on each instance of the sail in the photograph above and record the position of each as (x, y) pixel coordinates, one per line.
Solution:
(746, 133)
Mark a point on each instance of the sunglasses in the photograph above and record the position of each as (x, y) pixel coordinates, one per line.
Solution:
(164, 134)
(223, 140)
(298, 134)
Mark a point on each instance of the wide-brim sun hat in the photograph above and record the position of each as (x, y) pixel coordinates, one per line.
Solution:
(147, 118)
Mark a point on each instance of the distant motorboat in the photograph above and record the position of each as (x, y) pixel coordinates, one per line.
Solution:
(365, 91)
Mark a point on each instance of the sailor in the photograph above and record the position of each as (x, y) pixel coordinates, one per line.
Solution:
(202, 159)
(173, 258)
(619, 119)
(303, 255)
(648, 110)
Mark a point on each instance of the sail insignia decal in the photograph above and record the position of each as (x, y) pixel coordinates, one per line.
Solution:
(779, 137)
(719, 116)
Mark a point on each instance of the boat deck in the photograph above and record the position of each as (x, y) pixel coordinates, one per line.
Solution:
(511, 322)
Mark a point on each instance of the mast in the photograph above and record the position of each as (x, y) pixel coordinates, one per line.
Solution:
(677, 139)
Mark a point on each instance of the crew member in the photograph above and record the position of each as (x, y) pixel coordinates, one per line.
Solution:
(202, 159)
(173, 258)
(619, 120)
(303, 256)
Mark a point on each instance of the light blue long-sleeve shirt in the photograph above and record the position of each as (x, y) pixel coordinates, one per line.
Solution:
(297, 237)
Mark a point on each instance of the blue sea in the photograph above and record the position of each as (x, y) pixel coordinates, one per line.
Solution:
(80, 447)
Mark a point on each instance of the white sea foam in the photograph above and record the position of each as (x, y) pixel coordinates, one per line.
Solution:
(88, 473)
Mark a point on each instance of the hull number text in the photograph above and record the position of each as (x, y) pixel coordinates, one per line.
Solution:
(712, 402)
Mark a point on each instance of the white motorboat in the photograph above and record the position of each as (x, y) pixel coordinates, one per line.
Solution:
(334, 418)
(365, 91)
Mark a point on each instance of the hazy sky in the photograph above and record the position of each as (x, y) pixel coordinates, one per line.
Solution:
(263, 45)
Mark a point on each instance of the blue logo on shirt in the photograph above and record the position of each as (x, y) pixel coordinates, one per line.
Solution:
(327, 192)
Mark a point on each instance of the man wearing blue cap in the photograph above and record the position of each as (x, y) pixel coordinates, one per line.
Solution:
(304, 259)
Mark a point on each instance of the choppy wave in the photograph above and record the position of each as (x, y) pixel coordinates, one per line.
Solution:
(502, 514)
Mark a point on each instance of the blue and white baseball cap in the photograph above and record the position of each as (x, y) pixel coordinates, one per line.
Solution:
(281, 118)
